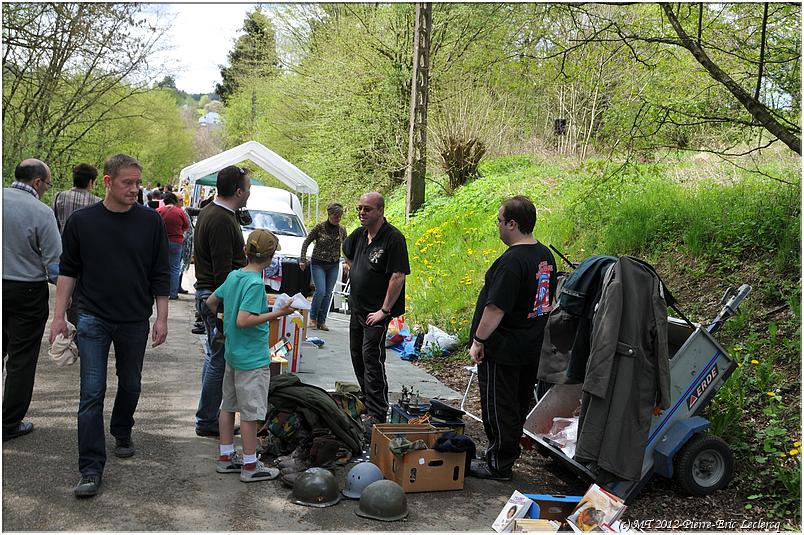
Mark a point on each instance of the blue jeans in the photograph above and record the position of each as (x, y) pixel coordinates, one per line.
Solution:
(324, 278)
(174, 257)
(209, 404)
(94, 338)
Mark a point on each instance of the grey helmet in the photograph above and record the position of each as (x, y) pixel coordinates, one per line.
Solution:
(361, 476)
(383, 500)
(315, 487)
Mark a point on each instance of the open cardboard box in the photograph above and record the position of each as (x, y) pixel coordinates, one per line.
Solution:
(553, 507)
(417, 470)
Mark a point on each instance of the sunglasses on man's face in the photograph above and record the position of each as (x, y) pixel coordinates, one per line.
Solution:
(366, 209)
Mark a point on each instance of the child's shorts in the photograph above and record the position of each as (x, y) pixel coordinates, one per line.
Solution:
(246, 391)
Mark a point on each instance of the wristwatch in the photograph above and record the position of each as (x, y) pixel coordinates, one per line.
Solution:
(386, 312)
(479, 340)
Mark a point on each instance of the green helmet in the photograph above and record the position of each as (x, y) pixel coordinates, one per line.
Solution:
(316, 487)
(383, 500)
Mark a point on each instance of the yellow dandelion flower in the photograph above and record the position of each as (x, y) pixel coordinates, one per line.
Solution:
(797, 444)
(772, 394)
(754, 361)
(794, 452)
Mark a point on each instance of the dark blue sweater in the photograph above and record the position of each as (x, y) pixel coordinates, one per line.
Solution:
(120, 260)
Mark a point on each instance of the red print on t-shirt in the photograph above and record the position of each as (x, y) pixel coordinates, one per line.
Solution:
(542, 304)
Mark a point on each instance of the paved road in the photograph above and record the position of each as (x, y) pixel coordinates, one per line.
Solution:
(170, 484)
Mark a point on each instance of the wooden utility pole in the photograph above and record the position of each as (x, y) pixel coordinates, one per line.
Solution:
(417, 137)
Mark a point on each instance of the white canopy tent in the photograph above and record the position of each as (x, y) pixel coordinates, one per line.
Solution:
(267, 159)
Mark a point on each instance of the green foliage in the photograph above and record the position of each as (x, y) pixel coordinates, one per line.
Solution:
(726, 227)
(69, 99)
(253, 56)
(644, 210)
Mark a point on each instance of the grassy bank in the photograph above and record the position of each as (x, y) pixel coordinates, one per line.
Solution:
(704, 225)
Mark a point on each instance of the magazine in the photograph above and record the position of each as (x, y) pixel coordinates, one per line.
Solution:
(597, 507)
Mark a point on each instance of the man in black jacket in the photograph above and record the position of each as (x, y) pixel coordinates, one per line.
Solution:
(218, 246)
(118, 251)
(507, 332)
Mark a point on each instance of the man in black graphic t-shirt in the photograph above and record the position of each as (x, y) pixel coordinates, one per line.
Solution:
(377, 255)
(507, 332)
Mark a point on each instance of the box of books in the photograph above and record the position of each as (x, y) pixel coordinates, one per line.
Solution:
(596, 508)
(535, 525)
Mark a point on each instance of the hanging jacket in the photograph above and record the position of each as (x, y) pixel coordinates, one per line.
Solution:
(628, 370)
(565, 348)
(318, 408)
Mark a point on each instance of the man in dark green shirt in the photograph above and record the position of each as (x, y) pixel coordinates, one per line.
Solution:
(218, 245)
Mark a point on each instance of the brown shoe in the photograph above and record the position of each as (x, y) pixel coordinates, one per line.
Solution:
(322, 327)
(313, 325)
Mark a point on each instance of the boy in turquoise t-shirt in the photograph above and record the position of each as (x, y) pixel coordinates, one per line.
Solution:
(247, 375)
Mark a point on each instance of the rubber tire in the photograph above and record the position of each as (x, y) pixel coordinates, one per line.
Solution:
(684, 464)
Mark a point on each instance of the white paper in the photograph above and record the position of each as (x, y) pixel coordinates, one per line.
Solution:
(300, 302)
(281, 300)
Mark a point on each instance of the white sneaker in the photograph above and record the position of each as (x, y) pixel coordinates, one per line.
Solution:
(227, 464)
(259, 473)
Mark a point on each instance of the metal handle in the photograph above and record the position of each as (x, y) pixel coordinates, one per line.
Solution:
(734, 302)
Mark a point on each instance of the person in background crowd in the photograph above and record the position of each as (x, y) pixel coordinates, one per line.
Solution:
(187, 246)
(67, 202)
(31, 243)
(377, 255)
(507, 332)
(328, 236)
(218, 246)
(158, 199)
(208, 199)
(117, 251)
(176, 223)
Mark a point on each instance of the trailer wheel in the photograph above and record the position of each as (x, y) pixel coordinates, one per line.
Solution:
(704, 465)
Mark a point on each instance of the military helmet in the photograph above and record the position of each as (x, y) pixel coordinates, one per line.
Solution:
(315, 487)
(361, 476)
(383, 500)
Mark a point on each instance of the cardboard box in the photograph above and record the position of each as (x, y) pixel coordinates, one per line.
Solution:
(417, 470)
(292, 329)
(400, 415)
(552, 506)
(517, 506)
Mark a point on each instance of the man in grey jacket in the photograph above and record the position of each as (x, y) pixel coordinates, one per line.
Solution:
(31, 243)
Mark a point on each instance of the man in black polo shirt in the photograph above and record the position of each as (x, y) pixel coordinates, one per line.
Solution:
(507, 333)
(377, 256)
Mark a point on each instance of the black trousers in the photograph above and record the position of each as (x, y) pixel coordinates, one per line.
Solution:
(25, 311)
(506, 395)
(367, 346)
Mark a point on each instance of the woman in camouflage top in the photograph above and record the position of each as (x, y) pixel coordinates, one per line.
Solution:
(328, 237)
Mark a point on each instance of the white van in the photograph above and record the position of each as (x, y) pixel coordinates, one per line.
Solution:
(279, 211)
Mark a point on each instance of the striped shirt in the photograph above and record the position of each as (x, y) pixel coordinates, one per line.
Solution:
(67, 202)
(24, 187)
